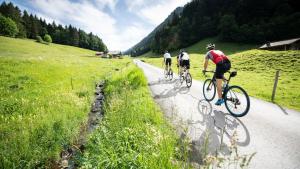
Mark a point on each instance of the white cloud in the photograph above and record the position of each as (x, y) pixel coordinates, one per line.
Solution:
(80, 14)
(135, 4)
(103, 3)
(157, 13)
(92, 16)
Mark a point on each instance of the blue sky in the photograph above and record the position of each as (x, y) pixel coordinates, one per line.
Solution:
(120, 23)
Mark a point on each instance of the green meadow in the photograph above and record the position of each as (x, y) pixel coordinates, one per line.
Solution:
(256, 69)
(46, 95)
(133, 132)
(46, 92)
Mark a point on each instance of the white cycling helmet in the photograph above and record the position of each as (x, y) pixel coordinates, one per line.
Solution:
(210, 46)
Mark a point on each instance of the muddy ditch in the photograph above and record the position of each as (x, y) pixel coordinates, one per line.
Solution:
(68, 155)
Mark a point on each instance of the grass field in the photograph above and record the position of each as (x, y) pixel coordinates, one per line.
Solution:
(133, 133)
(45, 94)
(256, 69)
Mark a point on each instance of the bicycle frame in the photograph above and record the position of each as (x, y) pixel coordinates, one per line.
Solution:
(214, 80)
(230, 94)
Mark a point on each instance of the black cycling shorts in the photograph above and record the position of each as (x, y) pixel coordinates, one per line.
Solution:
(168, 61)
(185, 63)
(221, 68)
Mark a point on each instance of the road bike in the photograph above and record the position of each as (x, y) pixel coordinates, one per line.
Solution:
(168, 74)
(236, 99)
(185, 76)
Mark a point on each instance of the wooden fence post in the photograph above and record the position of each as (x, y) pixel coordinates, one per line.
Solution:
(275, 85)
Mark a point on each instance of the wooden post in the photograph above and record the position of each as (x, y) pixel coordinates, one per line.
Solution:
(275, 85)
(72, 83)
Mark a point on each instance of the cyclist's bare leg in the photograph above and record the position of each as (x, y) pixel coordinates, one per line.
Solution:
(219, 88)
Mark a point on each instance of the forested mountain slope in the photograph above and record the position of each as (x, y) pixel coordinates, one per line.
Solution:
(243, 21)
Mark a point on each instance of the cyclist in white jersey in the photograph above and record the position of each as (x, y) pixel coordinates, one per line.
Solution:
(167, 60)
(184, 59)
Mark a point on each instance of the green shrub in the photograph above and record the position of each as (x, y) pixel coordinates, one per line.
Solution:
(47, 38)
(39, 39)
(8, 27)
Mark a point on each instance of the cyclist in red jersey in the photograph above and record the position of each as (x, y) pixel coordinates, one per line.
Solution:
(222, 65)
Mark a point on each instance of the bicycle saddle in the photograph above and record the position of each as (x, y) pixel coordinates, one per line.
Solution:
(233, 73)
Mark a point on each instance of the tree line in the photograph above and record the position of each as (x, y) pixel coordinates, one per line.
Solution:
(15, 23)
(242, 21)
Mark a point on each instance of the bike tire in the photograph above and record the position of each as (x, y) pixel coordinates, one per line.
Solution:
(242, 92)
(181, 77)
(188, 80)
(166, 74)
(205, 84)
(171, 74)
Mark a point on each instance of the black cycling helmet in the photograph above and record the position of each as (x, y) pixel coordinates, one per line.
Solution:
(210, 46)
(166, 51)
(181, 50)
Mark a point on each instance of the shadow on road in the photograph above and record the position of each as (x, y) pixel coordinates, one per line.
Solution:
(171, 92)
(161, 81)
(177, 88)
(219, 129)
(282, 109)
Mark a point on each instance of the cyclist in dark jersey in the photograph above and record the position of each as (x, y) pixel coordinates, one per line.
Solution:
(222, 65)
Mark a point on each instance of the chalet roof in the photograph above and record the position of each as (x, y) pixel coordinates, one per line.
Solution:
(280, 43)
(114, 52)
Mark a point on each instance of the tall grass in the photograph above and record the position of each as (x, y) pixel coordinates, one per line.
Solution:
(133, 133)
(45, 95)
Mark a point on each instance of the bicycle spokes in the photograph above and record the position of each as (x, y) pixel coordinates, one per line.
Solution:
(209, 90)
(237, 101)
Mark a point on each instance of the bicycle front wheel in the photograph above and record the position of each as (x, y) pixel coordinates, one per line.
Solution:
(188, 80)
(237, 101)
(209, 90)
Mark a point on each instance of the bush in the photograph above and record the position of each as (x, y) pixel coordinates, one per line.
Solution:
(39, 39)
(8, 27)
(47, 38)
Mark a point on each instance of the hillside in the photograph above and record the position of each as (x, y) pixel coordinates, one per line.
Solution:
(246, 22)
(45, 95)
(145, 44)
(256, 69)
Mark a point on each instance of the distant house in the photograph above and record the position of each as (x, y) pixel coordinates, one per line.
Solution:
(101, 54)
(114, 54)
(291, 44)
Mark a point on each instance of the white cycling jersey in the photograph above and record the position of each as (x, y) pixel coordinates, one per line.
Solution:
(167, 55)
(185, 56)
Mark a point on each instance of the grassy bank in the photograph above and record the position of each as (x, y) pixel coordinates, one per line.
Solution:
(45, 95)
(256, 70)
(133, 133)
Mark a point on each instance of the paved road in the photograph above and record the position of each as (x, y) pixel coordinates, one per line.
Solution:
(269, 130)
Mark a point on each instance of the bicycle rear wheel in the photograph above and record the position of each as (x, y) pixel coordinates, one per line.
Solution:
(188, 80)
(170, 74)
(237, 101)
(181, 77)
(209, 90)
(166, 74)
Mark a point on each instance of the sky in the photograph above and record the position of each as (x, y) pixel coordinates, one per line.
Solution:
(119, 23)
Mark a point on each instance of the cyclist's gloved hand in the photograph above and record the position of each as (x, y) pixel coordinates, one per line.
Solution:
(204, 71)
